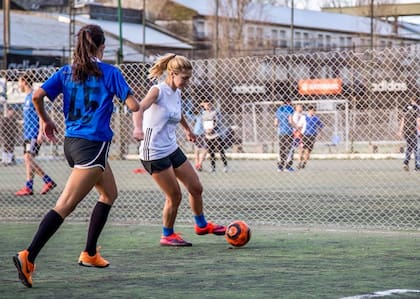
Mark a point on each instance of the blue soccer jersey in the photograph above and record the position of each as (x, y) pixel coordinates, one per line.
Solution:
(313, 125)
(283, 113)
(30, 119)
(88, 106)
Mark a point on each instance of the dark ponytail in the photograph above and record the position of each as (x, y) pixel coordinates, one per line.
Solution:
(89, 39)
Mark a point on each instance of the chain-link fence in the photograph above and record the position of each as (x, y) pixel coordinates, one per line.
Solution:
(354, 177)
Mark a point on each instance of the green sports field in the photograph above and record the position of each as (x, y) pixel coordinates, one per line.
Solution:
(279, 262)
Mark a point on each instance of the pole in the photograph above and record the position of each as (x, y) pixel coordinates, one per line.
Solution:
(6, 31)
(144, 31)
(72, 29)
(120, 55)
(292, 29)
(371, 25)
(217, 29)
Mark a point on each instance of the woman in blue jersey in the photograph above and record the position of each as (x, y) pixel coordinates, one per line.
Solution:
(155, 125)
(88, 87)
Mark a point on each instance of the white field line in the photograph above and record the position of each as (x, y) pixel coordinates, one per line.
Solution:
(382, 293)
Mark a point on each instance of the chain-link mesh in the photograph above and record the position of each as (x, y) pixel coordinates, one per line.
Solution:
(354, 177)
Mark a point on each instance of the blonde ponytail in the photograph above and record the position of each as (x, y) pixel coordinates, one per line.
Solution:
(171, 63)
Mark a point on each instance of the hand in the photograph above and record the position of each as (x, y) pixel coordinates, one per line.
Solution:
(138, 134)
(190, 136)
(50, 129)
(40, 138)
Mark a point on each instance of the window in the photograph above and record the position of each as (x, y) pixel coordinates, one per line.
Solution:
(260, 37)
(306, 41)
(199, 29)
(274, 38)
(283, 39)
(349, 42)
(320, 41)
(383, 44)
(328, 42)
(298, 40)
(251, 36)
(342, 43)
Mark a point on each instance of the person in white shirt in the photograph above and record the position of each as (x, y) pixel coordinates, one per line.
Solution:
(299, 120)
(155, 126)
(215, 133)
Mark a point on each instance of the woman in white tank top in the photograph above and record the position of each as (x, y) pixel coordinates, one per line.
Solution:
(155, 126)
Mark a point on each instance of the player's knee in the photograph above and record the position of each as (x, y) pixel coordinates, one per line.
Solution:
(196, 190)
(174, 199)
(109, 198)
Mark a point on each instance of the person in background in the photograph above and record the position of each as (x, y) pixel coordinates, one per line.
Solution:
(200, 144)
(299, 120)
(155, 126)
(215, 132)
(312, 129)
(9, 132)
(408, 131)
(285, 127)
(88, 87)
(33, 138)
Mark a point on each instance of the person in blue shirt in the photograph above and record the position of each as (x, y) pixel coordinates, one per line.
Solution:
(88, 87)
(285, 129)
(32, 140)
(312, 129)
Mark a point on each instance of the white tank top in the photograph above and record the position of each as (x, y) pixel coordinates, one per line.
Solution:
(159, 124)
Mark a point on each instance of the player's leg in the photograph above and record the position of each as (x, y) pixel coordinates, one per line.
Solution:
(300, 152)
(212, 153)
(27, 156)
(202, 156)
(221, 149)
(289, 146)
(168, 183)
(411, 149)
(107, 190)
(49, 184)
(78, 186)
(189, 178)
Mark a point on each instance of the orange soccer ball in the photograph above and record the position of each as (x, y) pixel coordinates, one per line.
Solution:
(238, 233)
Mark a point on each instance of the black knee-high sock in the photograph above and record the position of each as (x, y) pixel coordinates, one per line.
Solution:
(48, 226)
(97, 222)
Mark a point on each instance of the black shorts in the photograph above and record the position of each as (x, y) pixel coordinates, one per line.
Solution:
(83, 153)
(308, 142)
(30, 146)
(176, 159)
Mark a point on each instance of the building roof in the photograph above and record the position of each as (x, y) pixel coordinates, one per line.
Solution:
(302, 18)
(134, 33)
(48, 34)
